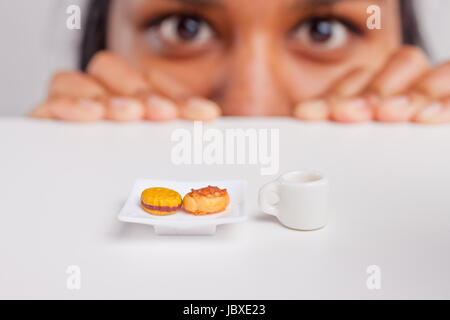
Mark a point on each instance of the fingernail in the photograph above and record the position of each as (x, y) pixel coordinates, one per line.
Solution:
(434, 113)
(312, 110)
(431, 110)
(200, 109)
(395, 109)
(155, 101)
(124, 109)
(395, 102)
(94, 109)
(160, 109)
(351, 110)
(124, 103)
(89, 104)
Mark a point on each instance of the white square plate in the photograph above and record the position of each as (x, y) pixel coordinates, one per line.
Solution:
(183, 223)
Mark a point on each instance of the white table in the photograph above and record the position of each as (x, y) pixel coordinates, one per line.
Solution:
(62, 186)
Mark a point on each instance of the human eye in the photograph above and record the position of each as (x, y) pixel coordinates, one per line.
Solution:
(180, 35)
(323, 35)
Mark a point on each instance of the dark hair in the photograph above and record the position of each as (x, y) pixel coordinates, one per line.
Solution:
(95, 29)
(94, 37)
(410, 25)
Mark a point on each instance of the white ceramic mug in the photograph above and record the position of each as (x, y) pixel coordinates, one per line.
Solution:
(302, 200)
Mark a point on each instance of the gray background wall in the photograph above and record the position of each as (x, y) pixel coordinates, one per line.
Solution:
(36, 43)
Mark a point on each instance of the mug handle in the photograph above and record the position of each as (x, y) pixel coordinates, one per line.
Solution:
(266, 207)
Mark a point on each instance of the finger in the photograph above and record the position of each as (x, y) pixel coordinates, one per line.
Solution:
(157, 108)
(41, 112)
(401, 72)
(436, 83)
(340, 106)
(74, 84)
(200, 109)
(67, 109)
(124, 109)
(116, 74)
(434, 113)
(399, 108)
(167, 86)
(351, 110)
(314, 110)
(351, 84)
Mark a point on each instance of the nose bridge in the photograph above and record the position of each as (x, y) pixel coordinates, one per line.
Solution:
(251, 87)
(254, 61)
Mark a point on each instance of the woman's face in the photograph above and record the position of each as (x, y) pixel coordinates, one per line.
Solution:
(253, 57)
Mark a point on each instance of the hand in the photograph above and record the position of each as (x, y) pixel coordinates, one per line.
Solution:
(405, 89)
(112, 90)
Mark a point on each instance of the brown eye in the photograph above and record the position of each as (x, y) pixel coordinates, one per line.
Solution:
(322, 33)
(188, 28)
(184, 30)
(321, 30)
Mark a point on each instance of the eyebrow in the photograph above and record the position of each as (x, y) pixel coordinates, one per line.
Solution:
(318, 3)
(207, 3)
(298, 2)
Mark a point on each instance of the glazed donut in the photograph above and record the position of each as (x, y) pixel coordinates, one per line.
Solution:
(206, 201)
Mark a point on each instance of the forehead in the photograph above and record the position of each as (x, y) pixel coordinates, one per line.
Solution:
(254, 3)
(254, 10)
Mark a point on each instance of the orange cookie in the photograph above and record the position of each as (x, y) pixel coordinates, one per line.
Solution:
(206, 201)
(160, 201)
